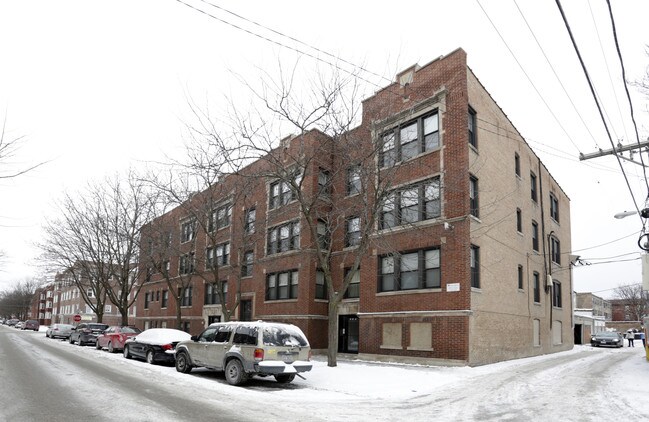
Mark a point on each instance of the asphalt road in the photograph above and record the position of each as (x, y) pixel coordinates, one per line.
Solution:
(43, 382)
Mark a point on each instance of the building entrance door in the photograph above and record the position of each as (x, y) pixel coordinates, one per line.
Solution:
(245, 313)
(348, 334)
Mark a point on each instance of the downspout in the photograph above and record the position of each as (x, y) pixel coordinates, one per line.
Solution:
(548, 269)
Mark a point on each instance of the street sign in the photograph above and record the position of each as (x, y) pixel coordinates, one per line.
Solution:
(77, 318)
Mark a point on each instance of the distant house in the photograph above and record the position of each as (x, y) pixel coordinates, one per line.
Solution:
(591, 314)
(470, 260)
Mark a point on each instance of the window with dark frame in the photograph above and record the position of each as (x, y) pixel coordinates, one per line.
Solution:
(519, 220)
(220, 218)
(413, 270)
(186, 298)
(187, 231)
(354, 183)
(187, 263)
(517, 164)
(475, 266)
(535, 236)
(473, 195)
(165, 298)
(537, 287)
(520, 277)
(556, 293)
(409, 140)
(554, 208)
(247, 263)
(283, 238)
(352, 231)
(320, 285)
(473, 135)
(282, 285)
(353, 290)
(324, 183)
(212, 293)
(147, 299)
(533, 187)
(249, 225)
(413, 203)
(219, 255)
(323, 235)
(555, 250)
(281, 192)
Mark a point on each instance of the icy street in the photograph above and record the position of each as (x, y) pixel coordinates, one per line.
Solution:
(52, 380)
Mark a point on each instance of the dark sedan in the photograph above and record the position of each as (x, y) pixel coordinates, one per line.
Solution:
(155, 345)
(86, 333)
(607, 338)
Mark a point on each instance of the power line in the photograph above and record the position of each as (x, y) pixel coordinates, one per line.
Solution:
(604, 244)
(599, 108)
(555, 73)
(528, 77)
(626, 88)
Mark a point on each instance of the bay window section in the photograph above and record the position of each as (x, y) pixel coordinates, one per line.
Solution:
(410, 271)
(282, 286)
(411, 204)
(409, 140)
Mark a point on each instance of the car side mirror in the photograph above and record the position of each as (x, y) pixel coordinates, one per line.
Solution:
(194, 338)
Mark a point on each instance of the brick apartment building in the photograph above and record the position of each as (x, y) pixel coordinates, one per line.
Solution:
(468, 262)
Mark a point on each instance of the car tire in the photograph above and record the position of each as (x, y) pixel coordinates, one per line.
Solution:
(127, 354)
(150, 358)
(183, 363)
(70, 340)
(79, 342)
(97, 346)
(284, 378)
(110, 347)
(234, 373)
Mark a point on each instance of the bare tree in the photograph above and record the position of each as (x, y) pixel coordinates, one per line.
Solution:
(636, 300)
(96, 240)
(15, 301)
(326, 157)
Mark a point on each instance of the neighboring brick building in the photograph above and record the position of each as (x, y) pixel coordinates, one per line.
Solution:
(469, 262)
(43, 304)
(598, 306)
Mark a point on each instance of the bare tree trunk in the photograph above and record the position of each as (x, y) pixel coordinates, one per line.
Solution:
(332, 334)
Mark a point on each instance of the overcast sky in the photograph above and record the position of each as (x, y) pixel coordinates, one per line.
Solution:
(94, 87)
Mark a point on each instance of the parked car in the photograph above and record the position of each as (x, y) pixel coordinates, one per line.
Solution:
(19, 325)
(31, 324)
(244, 349)
(114, 337)
(155, 345)
(12, 322)
(607, 338)
(59, 331)
(86, 333)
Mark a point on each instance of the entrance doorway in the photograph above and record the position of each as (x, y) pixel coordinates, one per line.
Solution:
(578, 339)
(245, 312)
(348, 334)
(211, 319)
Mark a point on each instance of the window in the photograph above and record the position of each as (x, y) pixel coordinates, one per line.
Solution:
(555, 250)
(409, 140)
(353, 290)
(473, 135)
(556, 293)
(475, 266)
(187, 263)
(284, 238)
(220, 255)
(187, 231)
(220, 218)
(212, 293)
(165, 298)
(473, 195)
(324, 183)
(157, 296)
(323, 235)
(249, 224)
(354, 184)
(533, 186)
(517, 164)
(537, 287)
(519, 220)
(281, 192)
(186, 298)
(415, 270)
(246, 265)
(89, 293)
(535, 236)
(520, 277)
(320, 285)
(147, 299)
(282, 285)
(411, 204)
(353, 231)
(554, 208)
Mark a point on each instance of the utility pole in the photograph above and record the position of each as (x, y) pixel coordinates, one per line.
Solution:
(616, 151)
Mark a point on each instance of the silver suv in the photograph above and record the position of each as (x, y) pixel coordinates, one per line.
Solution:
(244, 349)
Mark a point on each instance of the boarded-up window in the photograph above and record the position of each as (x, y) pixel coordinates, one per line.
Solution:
(391, 336)
(557, 338)
(537, 333)
(421, 336)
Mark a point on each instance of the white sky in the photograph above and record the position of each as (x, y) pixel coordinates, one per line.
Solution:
(97, 86)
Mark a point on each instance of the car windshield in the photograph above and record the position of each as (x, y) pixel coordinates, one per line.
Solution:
(607, 335)
(284, 336)
(97, 326)
(130, 330)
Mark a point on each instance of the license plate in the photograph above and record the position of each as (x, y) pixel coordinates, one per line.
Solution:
(288, 357)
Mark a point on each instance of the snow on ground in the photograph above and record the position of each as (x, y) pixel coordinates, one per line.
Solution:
(347, 391)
